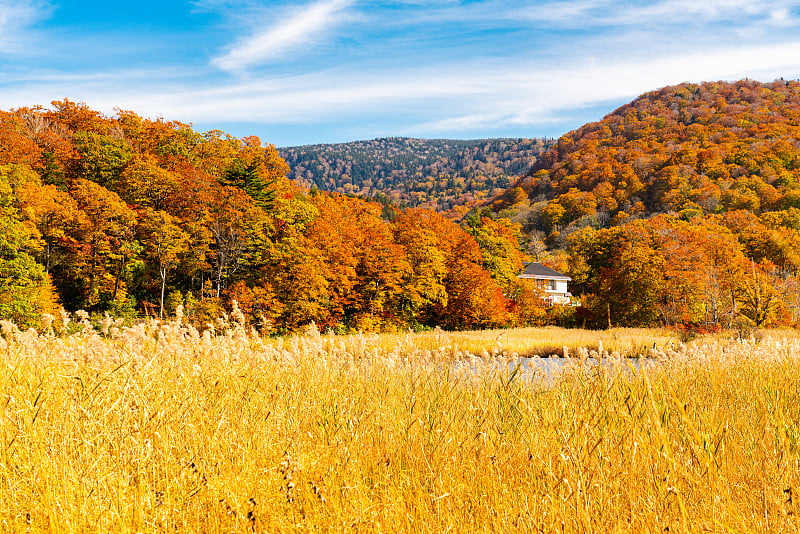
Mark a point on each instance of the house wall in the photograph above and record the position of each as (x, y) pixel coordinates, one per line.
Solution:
(561, 287)
(545, 284)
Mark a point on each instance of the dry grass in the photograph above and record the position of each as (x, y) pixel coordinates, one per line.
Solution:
(158, 428)
(542, 342)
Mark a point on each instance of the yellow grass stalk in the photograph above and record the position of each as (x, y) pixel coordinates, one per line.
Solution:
(160, 428)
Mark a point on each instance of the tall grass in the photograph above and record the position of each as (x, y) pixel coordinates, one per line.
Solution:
(543, 342)
(159, 428)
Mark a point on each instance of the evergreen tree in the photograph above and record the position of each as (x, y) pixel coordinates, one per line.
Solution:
(247, 177)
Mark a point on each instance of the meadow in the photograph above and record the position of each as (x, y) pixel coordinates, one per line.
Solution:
(159, 427)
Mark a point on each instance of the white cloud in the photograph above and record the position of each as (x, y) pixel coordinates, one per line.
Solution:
(781, 17)
(438, 100)
(594, 13)
(15, 18)
(291, 31)
(535, 100)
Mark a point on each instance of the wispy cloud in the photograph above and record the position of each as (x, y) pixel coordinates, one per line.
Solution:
(439, 68)
(458, 97)
(538, 100)
(594, 13)
(15, 17)
(294, 30)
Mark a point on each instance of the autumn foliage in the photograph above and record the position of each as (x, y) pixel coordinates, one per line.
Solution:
(679, 208)
(690, 149)
(135, 216)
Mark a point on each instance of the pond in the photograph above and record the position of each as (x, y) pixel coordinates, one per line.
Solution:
(528, 368)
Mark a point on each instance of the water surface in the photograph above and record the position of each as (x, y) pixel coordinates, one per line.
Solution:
(528, 368)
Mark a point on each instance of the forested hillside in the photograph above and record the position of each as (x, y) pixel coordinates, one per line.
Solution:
(682, 206)
(434, 173)
(129, 216)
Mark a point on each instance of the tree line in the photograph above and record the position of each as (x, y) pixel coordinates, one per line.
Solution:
(129, 216)
(677, 209)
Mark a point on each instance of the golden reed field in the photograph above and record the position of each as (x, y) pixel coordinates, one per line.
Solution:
(160, 428)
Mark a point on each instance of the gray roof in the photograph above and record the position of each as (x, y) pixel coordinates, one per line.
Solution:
(537, 270)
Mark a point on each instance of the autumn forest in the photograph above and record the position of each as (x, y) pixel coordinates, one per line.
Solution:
(681, 208)
(438, 174)
(128, 216)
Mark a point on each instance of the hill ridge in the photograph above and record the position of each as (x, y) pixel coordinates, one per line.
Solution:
(436, 173)
(690, 148)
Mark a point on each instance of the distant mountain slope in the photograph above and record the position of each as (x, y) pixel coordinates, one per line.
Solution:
(437, 173)
(689, 149)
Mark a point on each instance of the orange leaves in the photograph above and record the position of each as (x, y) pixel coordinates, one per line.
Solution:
(127, 209)
(419, 269)
(364, 264)
(577, 204)
(727, 146)
(258, 302)
(529, 305)
(662, 270)
(109, 224)
(472, 298)
(15, 147)
(77, 116)
(55, 214)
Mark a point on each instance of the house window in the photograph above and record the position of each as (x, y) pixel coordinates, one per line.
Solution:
(551, 285)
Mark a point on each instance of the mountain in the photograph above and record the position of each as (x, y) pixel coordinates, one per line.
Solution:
(690, 149)
(435, 173)
(681, 208)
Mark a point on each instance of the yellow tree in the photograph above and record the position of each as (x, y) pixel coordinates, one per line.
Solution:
(164, 242)
(424, 283)
(55, 214)
(144, 183)
(101, 157)
(621, 274)
(295, 275)
(25, 289)
(500, 249)
(757, 296)
(100, 241)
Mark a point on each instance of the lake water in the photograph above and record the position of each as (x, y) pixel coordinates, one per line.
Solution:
(528, 368)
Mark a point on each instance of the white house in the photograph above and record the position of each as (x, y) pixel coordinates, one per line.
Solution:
(552, 282)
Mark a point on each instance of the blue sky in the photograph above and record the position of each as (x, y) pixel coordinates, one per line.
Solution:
(298, 72)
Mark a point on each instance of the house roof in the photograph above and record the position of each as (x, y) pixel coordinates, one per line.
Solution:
(537, 270)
